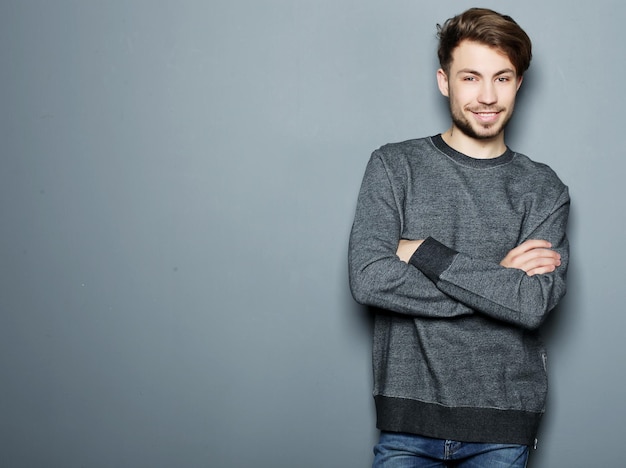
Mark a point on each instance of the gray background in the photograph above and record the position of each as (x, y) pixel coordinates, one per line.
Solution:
(177, 184)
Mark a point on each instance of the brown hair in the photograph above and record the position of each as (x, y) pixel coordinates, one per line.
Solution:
(485, 27)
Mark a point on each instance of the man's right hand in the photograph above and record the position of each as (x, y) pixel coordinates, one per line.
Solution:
(534, 256)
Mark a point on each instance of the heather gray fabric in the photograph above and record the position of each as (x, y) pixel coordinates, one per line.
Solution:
(457, 353)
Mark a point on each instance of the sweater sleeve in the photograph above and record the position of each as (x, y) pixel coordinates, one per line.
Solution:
(377, 276)
(506, 294)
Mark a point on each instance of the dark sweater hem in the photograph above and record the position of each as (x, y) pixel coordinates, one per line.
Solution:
(464, 424)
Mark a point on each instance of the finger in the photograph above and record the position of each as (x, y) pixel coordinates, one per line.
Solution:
(531, 244)
(535, 254)
(539, 263)
(526, 251)
(542, 270)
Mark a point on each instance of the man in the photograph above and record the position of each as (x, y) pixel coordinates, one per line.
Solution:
(459, 245)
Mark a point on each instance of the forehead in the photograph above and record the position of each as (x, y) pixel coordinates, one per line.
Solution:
(479, 57)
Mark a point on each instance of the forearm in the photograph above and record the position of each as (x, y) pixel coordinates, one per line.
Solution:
(507, 294)
(384, 281)
(377, 276)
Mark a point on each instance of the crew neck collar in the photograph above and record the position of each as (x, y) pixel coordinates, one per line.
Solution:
(466, 160)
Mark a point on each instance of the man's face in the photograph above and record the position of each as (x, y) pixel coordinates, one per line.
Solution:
(481, 85)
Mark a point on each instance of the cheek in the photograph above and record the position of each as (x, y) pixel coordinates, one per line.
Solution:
(509, 92)
(460, 98)
(509, 98)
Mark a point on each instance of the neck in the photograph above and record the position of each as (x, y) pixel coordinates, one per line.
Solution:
(475, 148)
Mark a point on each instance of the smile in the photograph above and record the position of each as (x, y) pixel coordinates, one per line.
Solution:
(486, 116)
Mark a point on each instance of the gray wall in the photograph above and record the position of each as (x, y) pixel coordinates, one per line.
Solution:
(177, 184)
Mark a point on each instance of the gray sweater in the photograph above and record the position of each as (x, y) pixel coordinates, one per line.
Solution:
(457, 354)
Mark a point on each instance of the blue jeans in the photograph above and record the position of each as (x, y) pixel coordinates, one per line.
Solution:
(397, 450)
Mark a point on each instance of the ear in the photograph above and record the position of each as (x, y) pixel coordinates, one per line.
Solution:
(519, 82)
(442, 82)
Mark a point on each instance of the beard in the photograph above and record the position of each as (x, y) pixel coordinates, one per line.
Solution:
(478, 131)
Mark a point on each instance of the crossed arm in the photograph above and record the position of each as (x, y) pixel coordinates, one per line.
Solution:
(439, 282)
(533, 256)
(526, 284)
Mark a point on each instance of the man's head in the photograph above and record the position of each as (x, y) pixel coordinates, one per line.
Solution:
(485, 27)
(483, 57)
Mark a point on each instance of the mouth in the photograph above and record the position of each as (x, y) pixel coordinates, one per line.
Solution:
(487, 117)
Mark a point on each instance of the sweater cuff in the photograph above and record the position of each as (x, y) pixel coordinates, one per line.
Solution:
(432, 258)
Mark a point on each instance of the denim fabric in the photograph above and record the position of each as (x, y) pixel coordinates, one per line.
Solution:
(398, 450)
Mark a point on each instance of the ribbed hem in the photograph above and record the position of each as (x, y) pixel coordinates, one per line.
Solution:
(480, 425)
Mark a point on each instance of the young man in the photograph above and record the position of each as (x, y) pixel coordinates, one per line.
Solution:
(459, 245)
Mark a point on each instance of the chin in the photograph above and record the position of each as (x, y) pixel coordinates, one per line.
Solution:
(477, 131)
(480, 133)
(489, 134)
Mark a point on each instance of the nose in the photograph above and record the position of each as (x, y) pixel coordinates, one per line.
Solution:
(487, 94)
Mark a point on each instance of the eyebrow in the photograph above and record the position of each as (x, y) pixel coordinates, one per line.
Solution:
(477, 73)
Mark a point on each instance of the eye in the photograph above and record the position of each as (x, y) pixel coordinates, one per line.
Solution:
(469, 78)
(503, 79)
